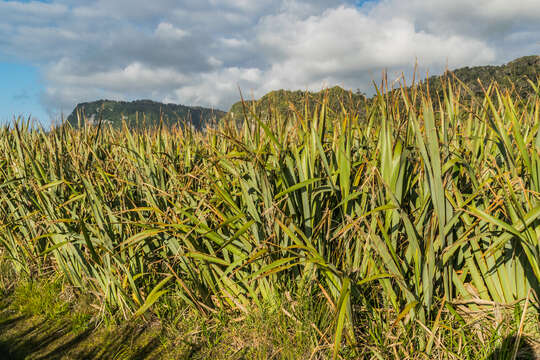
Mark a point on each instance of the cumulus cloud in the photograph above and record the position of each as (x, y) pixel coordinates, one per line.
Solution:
(200, 52)
(345, 46)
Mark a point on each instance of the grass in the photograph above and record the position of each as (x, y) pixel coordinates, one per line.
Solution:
(33, 327)
(408, 231)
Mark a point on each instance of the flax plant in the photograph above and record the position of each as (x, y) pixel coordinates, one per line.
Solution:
(410, 206)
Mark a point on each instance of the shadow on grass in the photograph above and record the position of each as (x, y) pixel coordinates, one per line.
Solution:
(25, 337)
(506, 350)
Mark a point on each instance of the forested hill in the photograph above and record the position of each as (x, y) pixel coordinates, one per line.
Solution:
(142, 113)
(286, 101)
(513, 75)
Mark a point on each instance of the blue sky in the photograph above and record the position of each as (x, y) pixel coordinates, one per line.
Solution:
(58, 53)
(20, 91)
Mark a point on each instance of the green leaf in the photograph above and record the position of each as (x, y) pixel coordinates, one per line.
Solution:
(153, 296)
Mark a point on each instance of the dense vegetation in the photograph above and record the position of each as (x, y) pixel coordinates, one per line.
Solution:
(142, 114)
(411, 234)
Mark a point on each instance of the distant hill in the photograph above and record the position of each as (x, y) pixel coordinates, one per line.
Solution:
(282, 100)
(142, 113)
(512, 75)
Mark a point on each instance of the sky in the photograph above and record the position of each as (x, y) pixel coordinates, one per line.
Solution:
(57, 53)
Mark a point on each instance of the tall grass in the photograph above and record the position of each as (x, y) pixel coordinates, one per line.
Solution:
(410, 211)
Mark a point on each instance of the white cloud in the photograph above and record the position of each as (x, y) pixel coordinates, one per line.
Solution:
(214, 62)
(134, 76)
(167, 31)
(487, 19)
(199, 51)
(33, 11)
(343, 40)
(217, 87)
(234, 42)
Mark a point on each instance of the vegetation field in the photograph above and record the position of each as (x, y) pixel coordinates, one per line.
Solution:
(407, 230)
